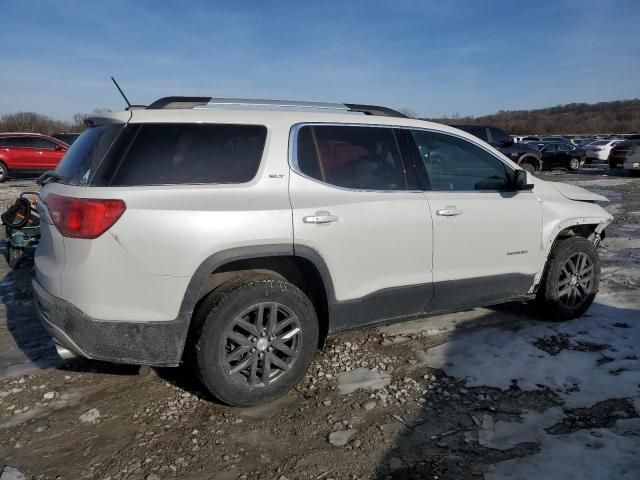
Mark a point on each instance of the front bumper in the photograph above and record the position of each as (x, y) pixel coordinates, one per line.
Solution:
(148, 343)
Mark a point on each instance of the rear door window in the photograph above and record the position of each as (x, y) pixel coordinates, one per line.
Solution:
(169, 154)
(42, 143)
(362, 158)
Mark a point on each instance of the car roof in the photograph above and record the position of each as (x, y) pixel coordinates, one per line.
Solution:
(23, 134)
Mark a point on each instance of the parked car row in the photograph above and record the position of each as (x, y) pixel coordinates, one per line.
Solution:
(534, 154)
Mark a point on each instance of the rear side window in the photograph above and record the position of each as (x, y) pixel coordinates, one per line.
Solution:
(169, 154)
(22, 142)
(79, 164)
(362, 158)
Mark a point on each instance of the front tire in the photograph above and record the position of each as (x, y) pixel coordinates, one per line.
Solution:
(571, 279)
(257, 340)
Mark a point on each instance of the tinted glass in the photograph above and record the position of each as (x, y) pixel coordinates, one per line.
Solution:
(454, 164)
(499, 136)
(549, 148)
(42, 143)
(81, 160)
(564, 148)
(364, 158)
(22, 142)
(531, 139)
(168, 154)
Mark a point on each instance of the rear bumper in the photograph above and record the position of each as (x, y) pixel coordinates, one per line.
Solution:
(148, 343)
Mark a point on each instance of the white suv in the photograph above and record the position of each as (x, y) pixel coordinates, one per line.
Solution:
(238, 234)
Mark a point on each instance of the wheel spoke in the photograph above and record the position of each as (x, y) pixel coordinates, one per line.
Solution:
(239, 339)
(285, 323)
(281, 347)
(586, 270)
(273, 318)
(242, 366)
(248, 326)
(278, 362)
(254, 371)
(571, 266)
(237, 353)
(564, 291)
(266, 369)
(566, 280)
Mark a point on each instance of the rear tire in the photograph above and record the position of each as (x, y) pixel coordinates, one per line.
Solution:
(4, 172)
(574, 164)
(257, 340)
(571, 279)
(528, 167)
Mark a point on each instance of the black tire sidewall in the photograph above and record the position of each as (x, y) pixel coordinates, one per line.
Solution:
(210, 346)
(4, 172)
(548, 293)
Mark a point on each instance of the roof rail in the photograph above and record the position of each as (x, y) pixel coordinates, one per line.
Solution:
(178, 102)
(374, 110)
(204, 102)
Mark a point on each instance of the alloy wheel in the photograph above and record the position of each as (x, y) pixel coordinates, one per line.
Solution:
(262, 344)
(576, 280)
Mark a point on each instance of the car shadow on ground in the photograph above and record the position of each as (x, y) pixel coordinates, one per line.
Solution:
(444, 439)
(24, 329)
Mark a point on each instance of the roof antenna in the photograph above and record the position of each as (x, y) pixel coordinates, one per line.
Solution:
(121, 93)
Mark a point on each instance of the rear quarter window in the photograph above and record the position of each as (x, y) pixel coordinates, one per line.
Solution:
(169, 154)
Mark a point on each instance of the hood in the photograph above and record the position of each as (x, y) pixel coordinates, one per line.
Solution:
(574, 192)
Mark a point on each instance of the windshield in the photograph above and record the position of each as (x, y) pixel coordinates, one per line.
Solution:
(80, 162)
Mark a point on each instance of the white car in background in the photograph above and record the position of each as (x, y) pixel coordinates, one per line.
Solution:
(600, 149)
(632, 161)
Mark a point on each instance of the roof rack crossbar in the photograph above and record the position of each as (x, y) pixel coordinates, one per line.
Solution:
(204, 102)
(277, 103)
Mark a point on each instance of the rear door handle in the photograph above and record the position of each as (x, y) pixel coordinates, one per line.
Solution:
(320, 218)
(449, 211)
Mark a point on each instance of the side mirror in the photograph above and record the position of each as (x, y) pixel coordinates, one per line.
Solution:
(520, 181)
(58, 147)
(506, 143)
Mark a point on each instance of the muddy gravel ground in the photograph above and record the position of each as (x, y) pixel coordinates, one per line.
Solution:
(487, 393)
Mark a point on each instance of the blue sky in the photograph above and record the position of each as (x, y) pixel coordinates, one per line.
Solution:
(434, 57)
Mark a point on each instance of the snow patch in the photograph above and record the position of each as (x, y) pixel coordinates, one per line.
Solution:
(349, 382)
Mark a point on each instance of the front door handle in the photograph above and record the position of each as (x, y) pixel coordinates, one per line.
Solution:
(449, 211)
(320, 218)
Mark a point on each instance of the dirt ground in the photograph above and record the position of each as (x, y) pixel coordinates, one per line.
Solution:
(488, 393)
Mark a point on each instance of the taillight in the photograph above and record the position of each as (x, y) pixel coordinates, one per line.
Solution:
(84, 217)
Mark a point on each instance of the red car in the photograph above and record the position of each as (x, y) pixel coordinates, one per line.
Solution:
(29, 153)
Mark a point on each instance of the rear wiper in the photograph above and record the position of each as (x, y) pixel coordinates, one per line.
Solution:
(48, 177)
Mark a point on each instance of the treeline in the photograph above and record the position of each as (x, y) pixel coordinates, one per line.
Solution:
(622, 116)
(31, 122)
